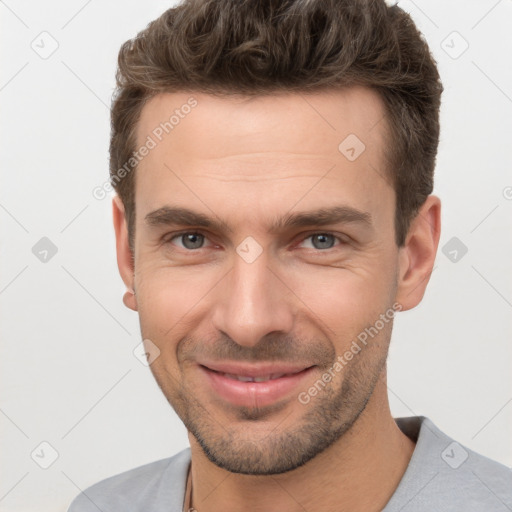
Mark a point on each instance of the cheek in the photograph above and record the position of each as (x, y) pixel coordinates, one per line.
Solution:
(345, 300)
(169, 300)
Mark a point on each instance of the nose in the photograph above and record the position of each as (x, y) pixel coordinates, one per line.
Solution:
(252, 303)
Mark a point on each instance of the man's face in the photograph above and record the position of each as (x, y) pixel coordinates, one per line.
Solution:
(269, 287)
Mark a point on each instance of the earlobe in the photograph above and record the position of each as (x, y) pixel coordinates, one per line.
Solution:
(417, 256)
(129, 300)
(124, 254)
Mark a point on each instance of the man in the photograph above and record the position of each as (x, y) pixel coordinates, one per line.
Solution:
(274, 162)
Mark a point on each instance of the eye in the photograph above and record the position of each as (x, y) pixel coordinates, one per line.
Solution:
(322, 241)
(190, 240)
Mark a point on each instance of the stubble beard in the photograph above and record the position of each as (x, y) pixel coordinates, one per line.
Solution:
(326, 418)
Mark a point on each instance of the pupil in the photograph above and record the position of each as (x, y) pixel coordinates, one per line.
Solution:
(192, 240)
(324, 241)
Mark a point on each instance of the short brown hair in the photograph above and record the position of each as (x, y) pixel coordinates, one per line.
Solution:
(257, 47)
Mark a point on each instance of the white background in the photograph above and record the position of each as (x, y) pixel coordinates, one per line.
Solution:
(68, 374)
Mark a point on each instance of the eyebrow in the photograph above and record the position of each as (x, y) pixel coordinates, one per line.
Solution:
(173, 216)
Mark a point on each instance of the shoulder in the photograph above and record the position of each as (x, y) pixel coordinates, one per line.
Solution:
(156, 486)
(446, 475)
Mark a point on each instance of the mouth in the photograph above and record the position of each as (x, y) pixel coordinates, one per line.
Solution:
(254, 385)
(262, 378)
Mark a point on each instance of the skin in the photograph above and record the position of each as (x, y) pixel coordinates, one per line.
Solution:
(248, 162)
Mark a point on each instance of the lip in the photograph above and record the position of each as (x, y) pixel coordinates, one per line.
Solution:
(253, 394)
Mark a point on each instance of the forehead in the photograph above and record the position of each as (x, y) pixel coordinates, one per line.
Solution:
(321, 118)
(271, 146)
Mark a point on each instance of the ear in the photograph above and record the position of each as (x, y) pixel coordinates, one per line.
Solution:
(417, 256)
(124, 254)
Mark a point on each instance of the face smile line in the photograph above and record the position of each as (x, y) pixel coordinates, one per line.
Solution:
(247, 385)
(254, 373)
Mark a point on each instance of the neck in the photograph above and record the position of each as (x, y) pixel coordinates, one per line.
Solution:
(359, 472)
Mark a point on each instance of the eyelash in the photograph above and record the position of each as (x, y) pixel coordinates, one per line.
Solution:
(309, 235)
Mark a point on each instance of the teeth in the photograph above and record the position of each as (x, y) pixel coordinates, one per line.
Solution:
(263, 378)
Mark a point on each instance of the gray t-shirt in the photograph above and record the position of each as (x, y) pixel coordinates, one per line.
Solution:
(442, 476)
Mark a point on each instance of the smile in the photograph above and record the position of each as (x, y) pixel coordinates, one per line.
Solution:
(253, 385)
(263, 378)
